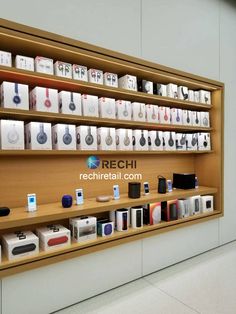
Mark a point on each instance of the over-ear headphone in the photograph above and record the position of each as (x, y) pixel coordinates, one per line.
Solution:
(183, 139)
(142, 140)
(67, 138)
(125, 112)
(16, 99)
(140, 114)
(205, 141)
(41, 136)
(47, 102)
(157, 139)
(185, 96)
(154, 116)
(171, 141)
(89, 137)
(109, 139)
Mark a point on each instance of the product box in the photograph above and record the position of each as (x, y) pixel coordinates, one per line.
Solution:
(123, 110)
(164, 115)
(160, 89)
(145, 86)
(106, 138)
(24, 63)
(204, 141)
(181, 141)
(152, 113)
(176, 116)
(53, 237)
(137, 217)
(80, 72)
(64, 137)
(207, 203)
(20, 244)
(196, 96)
(192, 141)
(172, 90)
(43, 65)
(105, 227)
(122, 219)
(107, 107)
(128, 82)
(155, 140)
(191, 95)
(63, 69)
(138, 111)
(84, 228)
(155, 213)
(44, 99)
(12, 134)
(205, 119)
(140, 139)
(196, 118)
(183, 208)
(169, 210)
(86, 137)
(124, 139)
(38, 135)
(205, 97)
(90, 105)
(187, 117)
(95, 76)
(183, 92)
(70, 103)
(14, 95)
(110, 79)
(169, 141)
(5, 58)
(195, 205)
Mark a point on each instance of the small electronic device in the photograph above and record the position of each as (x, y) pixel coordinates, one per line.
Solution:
(169, 185)
(116, 192)
(146, 188)
(79, 196)
(32, 204)
(103, 198)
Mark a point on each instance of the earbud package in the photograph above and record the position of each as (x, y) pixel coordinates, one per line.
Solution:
(152, 113)
(11, 134)
(86, 137)
(140, 139)
(63, 69)
(176, 116)
(43, 65)
(24, 63)
(155, 140)
(70, 103)
(44, 99)
(169, 141)
(90, 105)
(106, 138)
(204, 141)
(14, 95)
(110, 79)
(123, 110)
(38, 135)
(138, 111)
(64, 137)
(107, 107)
(95, 76)
(124, 139)
(128, 82)
(80, 72)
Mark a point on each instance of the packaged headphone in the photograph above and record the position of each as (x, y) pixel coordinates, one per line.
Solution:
(63, 69)
(38, 135)
(64, 137)
(14, 95)
(87, 137)
(11, 134)
(80, 72)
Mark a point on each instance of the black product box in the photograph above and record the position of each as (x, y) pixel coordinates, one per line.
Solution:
(184, 180)
(146, 214)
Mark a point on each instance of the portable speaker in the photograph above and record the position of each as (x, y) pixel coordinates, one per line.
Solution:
(67, 201)
(4, 211)
(134, 189)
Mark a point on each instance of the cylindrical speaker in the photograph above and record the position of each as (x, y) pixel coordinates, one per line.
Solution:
(134, 189)
(161, 185)
(122, 219)
(67, 201)
(4, 211)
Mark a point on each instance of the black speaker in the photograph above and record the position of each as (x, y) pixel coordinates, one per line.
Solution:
(161, 185)
(184, 180)
(134, 189)
(4, 211)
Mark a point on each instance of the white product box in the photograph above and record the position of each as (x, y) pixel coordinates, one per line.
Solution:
(107, 107)
(172, 90)
(137, 217)
(106, 138)
(161, 90)
(122, 219)
(110, 79)
(128, 82)
(70, 103)
(84, 228)
(138, 111)
(183, 208)
(145, 86)
(155, 140)
(25, 63)
(192, 141)
(38, 135)
(20, 244)
(152, 113)
(181, 139)
(80, 72)
(64, 137)
(123, 110)
(191, 95)
(187, 117)
(196, 118)
(11, 134)
(90, 105)
(43, 65)
(95, 76)
(164, 115)
(205, 97)
(183, 92)
(169, 141)
(140, 139)
(86, 137)
(195, 205)
(14, 95)
(105, 227)
(63, 69)
(176, 116)
(44, 99)
(207, 203)
(5, 58)
(196, 96)
(204, 141)
(53, 237)
(124, 139)
(205, 119)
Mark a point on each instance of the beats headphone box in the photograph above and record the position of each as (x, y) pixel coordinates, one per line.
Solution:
(184, 180)
(5, 58)
(124, 139)
(38, 135)
(169, 141)
(183, 92)
(105, 227)
(155, 140)
(90, 105)
(128, 82)
(159, 89)
(80, 72)
(44, 99)
(106, 138)
(70, 103)
(64, 137)
(205, 119)
(204, 141)
(43, 65)
(196, 118)
(181, 141)
(205, 97)
(152, 113)
(63, 69)
(12, 134)
(172, 90)
(123, 110)
(107, 107)
(164, 115)
(195, 205)
(138, 111)
(24, 63)
(86, 137)
(110, 79)
(95, 76)
(140, 139)
(176, 116)
(14, 95)
(192, 141)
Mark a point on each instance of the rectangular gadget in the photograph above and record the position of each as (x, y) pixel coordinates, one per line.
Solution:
(116, 192)
(32, 204)
(146, 188)
(79, 196)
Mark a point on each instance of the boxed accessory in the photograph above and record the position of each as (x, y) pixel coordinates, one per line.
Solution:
(183, 92)
(205, 119)
(95, 76)
(14, 95)
(181, 141)
(191, 95)
(138, 111)
(123, 109)
(187, 117)
(169, 142)
(192, 141)
(140, 139)
(107, 107)
(106, 138)
(196, 118)
(105, 227)
(137, 217)
(184, 180)
(155, 140)
(164, 115)
(195, 205)
(152, 113)
(122, 220)
(204, 141)
(5, 58)
(11, 134)
(176, 116)
(20, 244)
(155, 213)
(196, 96)
(205, 97)
(183, 208)
(134, 189)
(110, 79)
(64, 137)
(53, 237)
(145, 86)
(38, 135)
(70, 103)
(128, 82)
(44, 99)
(63, 69)
(172, 90)
(25, 63)
(43, 65)
(207, 203)
(84, 228)
(80, 72)
(86, 137)
(90, 105)
(160, 89)
(169, 210)
(124, 139)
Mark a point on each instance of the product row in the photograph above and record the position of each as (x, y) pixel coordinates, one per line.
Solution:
(16, 96)
(43, 136)
(80, 72)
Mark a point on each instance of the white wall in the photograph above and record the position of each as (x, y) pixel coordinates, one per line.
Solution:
(197, 36)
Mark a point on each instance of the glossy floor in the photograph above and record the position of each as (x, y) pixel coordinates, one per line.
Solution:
(204, 284)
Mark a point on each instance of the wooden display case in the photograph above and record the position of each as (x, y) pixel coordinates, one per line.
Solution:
(50, 174)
